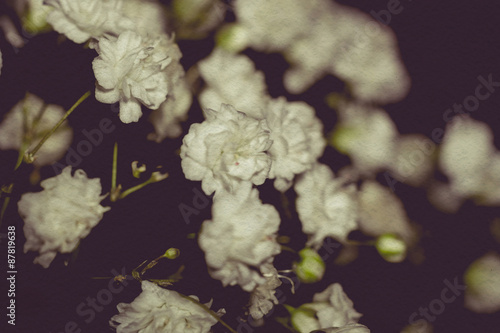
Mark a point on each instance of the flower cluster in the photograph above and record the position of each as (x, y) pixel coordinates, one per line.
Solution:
(339, 40)
(240, 240)
(137, 63)
(58, 217)
(161, 310)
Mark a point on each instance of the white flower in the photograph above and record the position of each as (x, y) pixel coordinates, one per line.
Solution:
(483, 284)
(147, 16)
(368, 136)
(326, 205)
(330, 308)
(40, 119)
(262, 299)
(56, 218)
(232, 79)
(166, 120)
(352, 46)
(241, 238)
(274, 25)
(134, 70)
(227, 148)
(298, 142)
(470, 160)
(158, 310)
(85, 19)
(381, 212)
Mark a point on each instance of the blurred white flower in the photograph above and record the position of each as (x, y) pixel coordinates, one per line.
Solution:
(133, 69)
(28, 122)
(147, 16)
(194, 19)
(233, 79)
(470, 160)
(263, 298)
(327, 206)
(226, 149)
(483, 284)
(274, 25)
(330, 308)
(297, 136)
(240, 240)
(85, 19)
(339, 40)
(166, 119)
(58, 217)
(368, 136)
(159, 310)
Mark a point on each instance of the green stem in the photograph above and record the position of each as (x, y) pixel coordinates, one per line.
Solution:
(135, 188)
(31, 154)
(213, 314)
(6, 201)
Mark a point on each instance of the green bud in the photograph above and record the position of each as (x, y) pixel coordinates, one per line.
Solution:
(311, 267)
(232, 37)
(304, 319)
(172, 253)
(391, 248)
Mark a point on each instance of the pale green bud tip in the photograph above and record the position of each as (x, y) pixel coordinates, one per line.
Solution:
(158, 176)
(311, 267)
(391, 248)
(137, 170)
(341, 138)
(304, 319)
(172, 253)
(232, 37)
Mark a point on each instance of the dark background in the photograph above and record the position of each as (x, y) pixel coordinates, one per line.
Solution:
(445, 46)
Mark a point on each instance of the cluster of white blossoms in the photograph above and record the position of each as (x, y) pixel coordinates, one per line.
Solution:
(330, 309)
(28, 122)
(137, 63)
(58, 217)
(295, 133)
(339, 40)
(159, 310)
(370, 138)
(327, 206)
(471, 162)
(240, 240)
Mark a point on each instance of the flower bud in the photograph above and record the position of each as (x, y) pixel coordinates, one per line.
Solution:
(311, 267)
(172, 253)
(391, 248)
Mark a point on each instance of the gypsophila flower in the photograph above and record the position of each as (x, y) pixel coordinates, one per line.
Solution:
(298, 142)
(159, 310)
(85, 19)
(133, 70)
(241, 238)
(326, 205)
(226, 149)
(58, 217)
(330, 308)
(233, 79)
(368, 136)
(146, 15)
(40, 119)
(470, 160)
(263, 298)
(483, 284)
